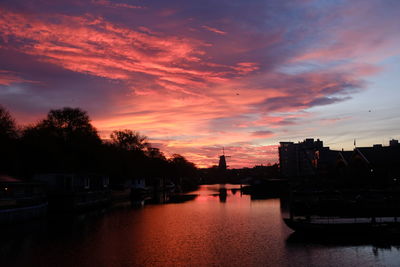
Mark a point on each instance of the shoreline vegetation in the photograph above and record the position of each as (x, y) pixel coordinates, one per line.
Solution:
(64, 156)
(65, 141)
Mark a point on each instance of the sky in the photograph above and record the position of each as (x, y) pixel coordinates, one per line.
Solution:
(197, 76)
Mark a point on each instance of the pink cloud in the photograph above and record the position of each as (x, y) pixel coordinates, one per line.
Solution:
(10, 77)
(99, 46)
(7, 78)
(192, 91)
(212, 29)
(246, 67)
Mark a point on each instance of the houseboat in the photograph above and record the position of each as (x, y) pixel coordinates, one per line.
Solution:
(72, 192)
(356, 211)
(21, 201)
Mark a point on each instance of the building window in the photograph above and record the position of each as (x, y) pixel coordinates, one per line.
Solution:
(105, 181)
(86, 182)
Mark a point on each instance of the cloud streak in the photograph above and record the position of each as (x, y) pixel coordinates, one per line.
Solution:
(194, 77)
(214, 30)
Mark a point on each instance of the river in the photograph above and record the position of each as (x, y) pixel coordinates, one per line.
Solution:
(208, 230)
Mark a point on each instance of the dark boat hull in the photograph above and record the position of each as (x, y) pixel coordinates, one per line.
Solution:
(351, 228)
(21, 214)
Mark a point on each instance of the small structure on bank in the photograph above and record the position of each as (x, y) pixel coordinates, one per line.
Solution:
(71, 191)
(21, 200)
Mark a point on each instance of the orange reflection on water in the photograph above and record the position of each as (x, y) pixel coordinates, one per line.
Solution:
(205, 231)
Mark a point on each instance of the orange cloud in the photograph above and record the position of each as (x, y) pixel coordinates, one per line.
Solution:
(190, 90)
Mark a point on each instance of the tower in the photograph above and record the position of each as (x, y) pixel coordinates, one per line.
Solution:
(222, 161)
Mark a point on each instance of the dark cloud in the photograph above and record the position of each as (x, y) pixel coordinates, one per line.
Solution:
(262, 134)
(326, 101)
(47, 86)
(213, 71)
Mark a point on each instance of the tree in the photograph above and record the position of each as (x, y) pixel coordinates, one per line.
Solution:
(69, 123)
(64, 141)
(8, 138)
(184, 172)
(129, 140)
(155, 153)
(8, 128)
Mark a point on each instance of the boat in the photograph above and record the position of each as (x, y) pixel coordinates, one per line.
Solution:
(344, 225)
(20, 200)
(343, 211)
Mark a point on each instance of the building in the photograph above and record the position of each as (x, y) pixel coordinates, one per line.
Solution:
(300, 160)
(222, 163)
(376, 164)
(72, 191)
(21, 200)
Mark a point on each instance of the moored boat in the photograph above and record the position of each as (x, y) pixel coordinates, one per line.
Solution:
(21, 201)
(344, 225)
(354, 211)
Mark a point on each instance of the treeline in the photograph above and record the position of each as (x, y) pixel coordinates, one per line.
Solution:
(256, 174)
(66, 141)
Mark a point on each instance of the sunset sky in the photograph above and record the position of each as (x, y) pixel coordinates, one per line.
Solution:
(196, 76)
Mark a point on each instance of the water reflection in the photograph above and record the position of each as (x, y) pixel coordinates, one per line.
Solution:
(350, 250)
(234, 190)
(377, 247)
(222, 194)
(200, 230)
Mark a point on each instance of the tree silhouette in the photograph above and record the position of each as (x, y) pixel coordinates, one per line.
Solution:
(65, 141)
(8, 138)
(184, 172)
(70, 123)
(8, 128)
(129, 140)
(155, 153)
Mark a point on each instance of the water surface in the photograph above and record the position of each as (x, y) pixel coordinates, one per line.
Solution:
(210, 230)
